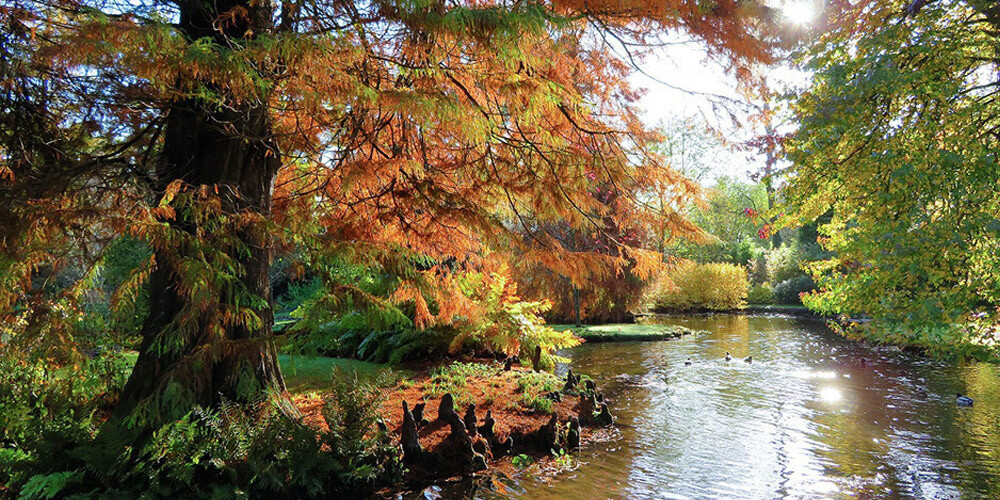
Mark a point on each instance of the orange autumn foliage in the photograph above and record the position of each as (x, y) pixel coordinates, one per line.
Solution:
(375, 130)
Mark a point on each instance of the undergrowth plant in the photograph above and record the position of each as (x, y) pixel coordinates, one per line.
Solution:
(485, 316)
(230, 452)
(533, 387)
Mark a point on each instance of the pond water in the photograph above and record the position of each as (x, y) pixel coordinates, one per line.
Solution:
(814, 416)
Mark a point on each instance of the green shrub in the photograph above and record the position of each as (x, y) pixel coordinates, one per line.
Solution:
(715, 286)
(758, 270)
(784, 263)
(45, 408)
(522, 461)
(125, 263)
(536, 403)
(495, 322)
(232, 452)
(760, 294)
(505, 324)
(788, 291)
(297, 293)
(741, 252)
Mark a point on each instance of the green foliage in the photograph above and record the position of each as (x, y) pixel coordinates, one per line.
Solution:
(896, 137)
(788, 261)
(784, 263)
(45, 408)
(233, 452)
(760, 294)
(313, 373)
(522, 461)
(714, 286)
(125, 261)
(46, 486)
(355, 335)
(455, 377)
(563, 459)
(726, 217)
(533, 386)
(741, 252)
(758, 270)
(296, 294)
(952, 341)
(789, 292)
(508, 325)
(497, 323)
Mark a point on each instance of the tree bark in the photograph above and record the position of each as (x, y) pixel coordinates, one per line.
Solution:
(770, 161)
(577, 320)
(231, 150)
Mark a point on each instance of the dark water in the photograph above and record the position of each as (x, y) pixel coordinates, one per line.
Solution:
(806, 420)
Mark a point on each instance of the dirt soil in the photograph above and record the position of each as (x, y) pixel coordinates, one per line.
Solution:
(498, 393)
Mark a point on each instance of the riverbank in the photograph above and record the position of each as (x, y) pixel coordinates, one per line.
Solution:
(471, 418)
(753, 309)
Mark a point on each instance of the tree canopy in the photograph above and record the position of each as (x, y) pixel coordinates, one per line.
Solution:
(898, 136)
(393, 133)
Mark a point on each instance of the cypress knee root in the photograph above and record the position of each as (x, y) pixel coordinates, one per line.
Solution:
(418, 413)
(549, 437)
(571, 381)
(605, 418)
(503, 448)
(447, 407)
(467, 456)
(573, 436)
(487, 428)
(509, 362)
(586, 408)
(411, 445)
(470, 419)
(458, 430)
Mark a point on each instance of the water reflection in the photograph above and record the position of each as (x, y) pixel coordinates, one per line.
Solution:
(814, 416)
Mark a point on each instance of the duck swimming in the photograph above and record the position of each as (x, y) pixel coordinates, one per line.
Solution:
(963, 400)
(688, 361)
(729, 357)
(748, 359)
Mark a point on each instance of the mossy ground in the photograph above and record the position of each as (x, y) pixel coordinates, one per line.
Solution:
(620, 332)
(305, 374)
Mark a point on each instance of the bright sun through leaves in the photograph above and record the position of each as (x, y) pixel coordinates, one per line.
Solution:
(799, 12)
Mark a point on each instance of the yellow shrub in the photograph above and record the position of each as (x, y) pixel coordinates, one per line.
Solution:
(715, 286)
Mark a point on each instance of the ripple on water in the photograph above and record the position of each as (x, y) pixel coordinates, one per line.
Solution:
(806, 420)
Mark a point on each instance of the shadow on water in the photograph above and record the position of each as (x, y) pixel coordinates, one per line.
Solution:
(814, 416)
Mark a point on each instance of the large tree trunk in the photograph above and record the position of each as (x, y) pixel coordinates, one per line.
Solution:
(189, 354)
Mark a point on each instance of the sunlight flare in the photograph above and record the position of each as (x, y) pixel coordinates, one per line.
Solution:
(799, 12)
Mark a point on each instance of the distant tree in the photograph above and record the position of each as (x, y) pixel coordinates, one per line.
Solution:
(691, 147)
(732, 213)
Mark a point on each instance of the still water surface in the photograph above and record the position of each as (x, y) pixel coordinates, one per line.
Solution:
(808, 419)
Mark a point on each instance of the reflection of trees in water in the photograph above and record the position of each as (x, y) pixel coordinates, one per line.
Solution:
(895, 428)
(978, 428)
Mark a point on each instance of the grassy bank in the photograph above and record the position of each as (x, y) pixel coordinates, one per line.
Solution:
(622, 332)
(309, 373)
